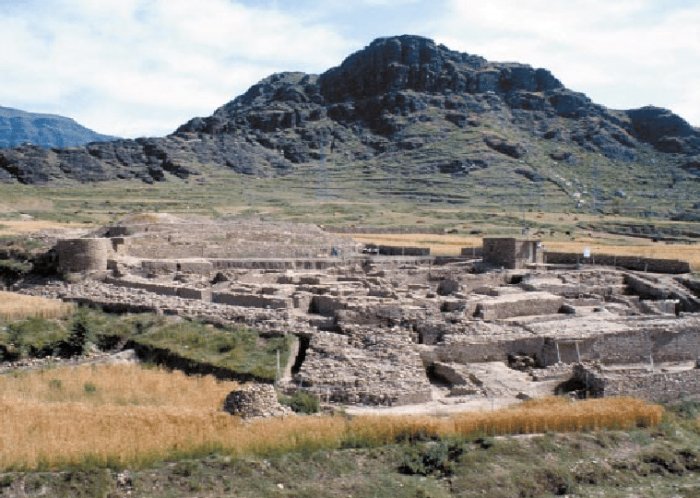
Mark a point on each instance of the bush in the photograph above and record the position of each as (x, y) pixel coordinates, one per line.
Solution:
(687, 409)
(36, 337)
(301, 402)
(75, 343)
(433, 459)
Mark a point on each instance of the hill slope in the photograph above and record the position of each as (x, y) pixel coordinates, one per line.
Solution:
(407, 117)
(45, 130)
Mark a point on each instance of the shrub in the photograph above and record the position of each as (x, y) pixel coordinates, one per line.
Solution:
(301, 402)
(433, 459)
(74, 344)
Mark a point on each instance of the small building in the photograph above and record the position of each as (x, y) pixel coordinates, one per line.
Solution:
(512, 253)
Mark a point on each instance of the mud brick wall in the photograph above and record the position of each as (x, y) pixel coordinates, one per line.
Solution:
(629, 262)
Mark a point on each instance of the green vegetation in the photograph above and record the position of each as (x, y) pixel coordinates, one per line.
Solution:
(239, 349)
(33, 337)
(301, 402)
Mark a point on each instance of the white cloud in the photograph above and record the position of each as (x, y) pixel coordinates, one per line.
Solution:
(142, 67)
(623, 54)
(134, 67)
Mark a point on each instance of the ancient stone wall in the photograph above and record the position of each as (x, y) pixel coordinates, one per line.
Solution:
(629, 262)
(251, 300)
(163, 289)
(510, 305)
(79, 255)
(654, 386)
(632, 346)
(326, 305)
(403, 251)
(510, 252)
(254, 400)
(472, 252)
(499, 252)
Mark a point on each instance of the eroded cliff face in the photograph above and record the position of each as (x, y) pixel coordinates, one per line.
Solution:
(401, 99)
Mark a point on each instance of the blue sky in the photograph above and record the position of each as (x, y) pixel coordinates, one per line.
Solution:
(143, 67)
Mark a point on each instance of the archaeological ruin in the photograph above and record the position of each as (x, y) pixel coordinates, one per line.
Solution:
(503, 322)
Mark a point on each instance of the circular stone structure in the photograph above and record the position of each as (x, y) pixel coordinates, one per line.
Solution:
(83, 255)
(254, 400)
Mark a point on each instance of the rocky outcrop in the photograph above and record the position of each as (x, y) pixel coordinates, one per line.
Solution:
(664, 130)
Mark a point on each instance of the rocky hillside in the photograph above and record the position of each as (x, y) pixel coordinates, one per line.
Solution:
(405, 106)
(44, 130)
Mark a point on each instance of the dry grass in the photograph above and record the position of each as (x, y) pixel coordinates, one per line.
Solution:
(689, 253)
(125, 415)
(536, 416)
(23, 227)
(115, 384)
(15, 306)
(450, 245)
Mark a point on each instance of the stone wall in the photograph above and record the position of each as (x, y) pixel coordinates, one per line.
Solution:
(403, 251)
(629, 262)
(79, 255)
(475, 352)
(163, 289)
(499, 252)
(251, 300)
(633, 346)
(472, 252)
(526, 303)
(510, 252)
(326, 305)
(657, 386)
(254, 400)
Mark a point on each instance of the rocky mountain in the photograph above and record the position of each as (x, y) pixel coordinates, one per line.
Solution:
(405, 106)
(43, 130)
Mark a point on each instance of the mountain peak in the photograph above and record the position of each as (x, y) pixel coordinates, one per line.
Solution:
(410, 62)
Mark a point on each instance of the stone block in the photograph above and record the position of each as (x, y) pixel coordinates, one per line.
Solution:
(511, 305)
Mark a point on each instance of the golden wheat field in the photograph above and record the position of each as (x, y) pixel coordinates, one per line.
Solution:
(15, 306)
(450, 245)
(127, 415)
